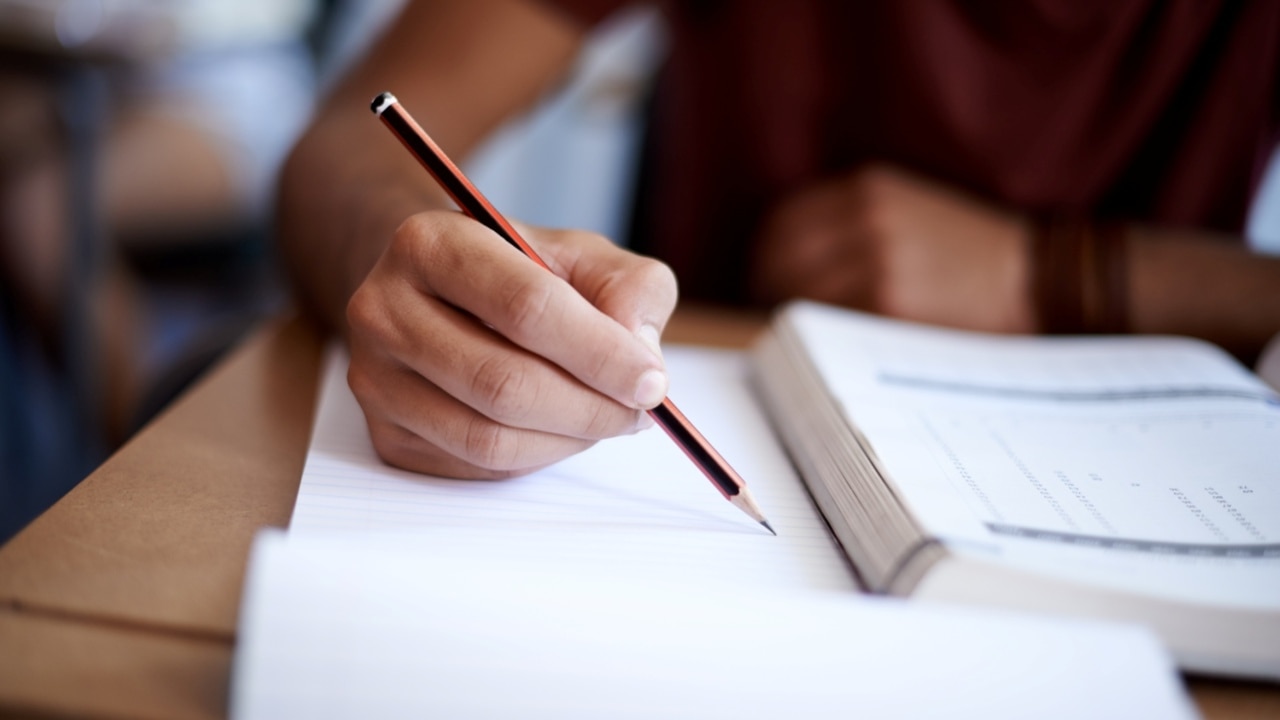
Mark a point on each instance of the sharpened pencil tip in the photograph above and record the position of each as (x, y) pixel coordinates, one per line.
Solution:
(743, 501)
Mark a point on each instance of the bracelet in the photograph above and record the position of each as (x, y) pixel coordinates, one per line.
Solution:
(1079, 275)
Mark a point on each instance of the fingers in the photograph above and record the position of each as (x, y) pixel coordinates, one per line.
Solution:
(452, 439)
(471, 361)
(488, 373)
(638, 292)
(884, 240)
(816, 245)
(477, 271)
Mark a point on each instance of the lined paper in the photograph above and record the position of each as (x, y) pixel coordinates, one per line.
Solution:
(634, 502)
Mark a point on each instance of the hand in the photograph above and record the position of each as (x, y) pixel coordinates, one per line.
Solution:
(886, 241)
(471, 361)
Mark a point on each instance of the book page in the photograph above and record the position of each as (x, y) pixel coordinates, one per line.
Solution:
(635, 502)
(389, 629)
(1127, 461)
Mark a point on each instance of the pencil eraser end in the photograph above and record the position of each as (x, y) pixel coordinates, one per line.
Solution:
(382, 102)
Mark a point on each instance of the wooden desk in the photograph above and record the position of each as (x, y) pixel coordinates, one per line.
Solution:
(121, 601)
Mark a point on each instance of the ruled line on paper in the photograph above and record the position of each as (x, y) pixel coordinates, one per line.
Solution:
(634, 500)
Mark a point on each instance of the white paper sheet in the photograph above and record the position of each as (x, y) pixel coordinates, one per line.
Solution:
(395, 629)
(635, 501)
(620, 584)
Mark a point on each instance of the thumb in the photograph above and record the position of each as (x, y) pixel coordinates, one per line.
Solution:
(638, 292)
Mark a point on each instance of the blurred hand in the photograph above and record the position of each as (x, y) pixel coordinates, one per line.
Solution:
(471, 361)
(886, 241)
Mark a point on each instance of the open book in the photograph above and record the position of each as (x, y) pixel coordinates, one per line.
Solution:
(618, 583)
(1131, 478)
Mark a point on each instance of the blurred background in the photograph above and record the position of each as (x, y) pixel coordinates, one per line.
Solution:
(139, 146)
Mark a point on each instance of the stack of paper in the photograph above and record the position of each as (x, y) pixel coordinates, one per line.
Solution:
(619, 584)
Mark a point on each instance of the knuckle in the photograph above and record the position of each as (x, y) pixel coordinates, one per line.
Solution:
(601, 422)
(418, 241)
(417, 228)
(399, 447)
(391, 448)
(615, 282)
(501, 386)
(361, 382)
(490, 446)
(602, 360)
(525, 303)
(409, 234)
(393, 444)
(641, 285)
(364, 312)
(658, 277)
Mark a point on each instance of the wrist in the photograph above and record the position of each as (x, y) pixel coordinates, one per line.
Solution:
(1078, 276)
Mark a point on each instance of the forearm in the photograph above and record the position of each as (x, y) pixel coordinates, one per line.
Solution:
(1207, 286)
(462, 67)
(338, 204)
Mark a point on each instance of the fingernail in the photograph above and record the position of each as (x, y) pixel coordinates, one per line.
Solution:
(643, 422)
(651, 388)
(648, 335)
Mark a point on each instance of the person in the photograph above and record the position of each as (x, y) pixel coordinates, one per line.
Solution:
(1053, 166)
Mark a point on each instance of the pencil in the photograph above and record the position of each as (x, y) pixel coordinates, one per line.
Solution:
(476, 206)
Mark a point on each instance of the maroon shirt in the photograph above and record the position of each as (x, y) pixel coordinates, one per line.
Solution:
(1162, 112)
